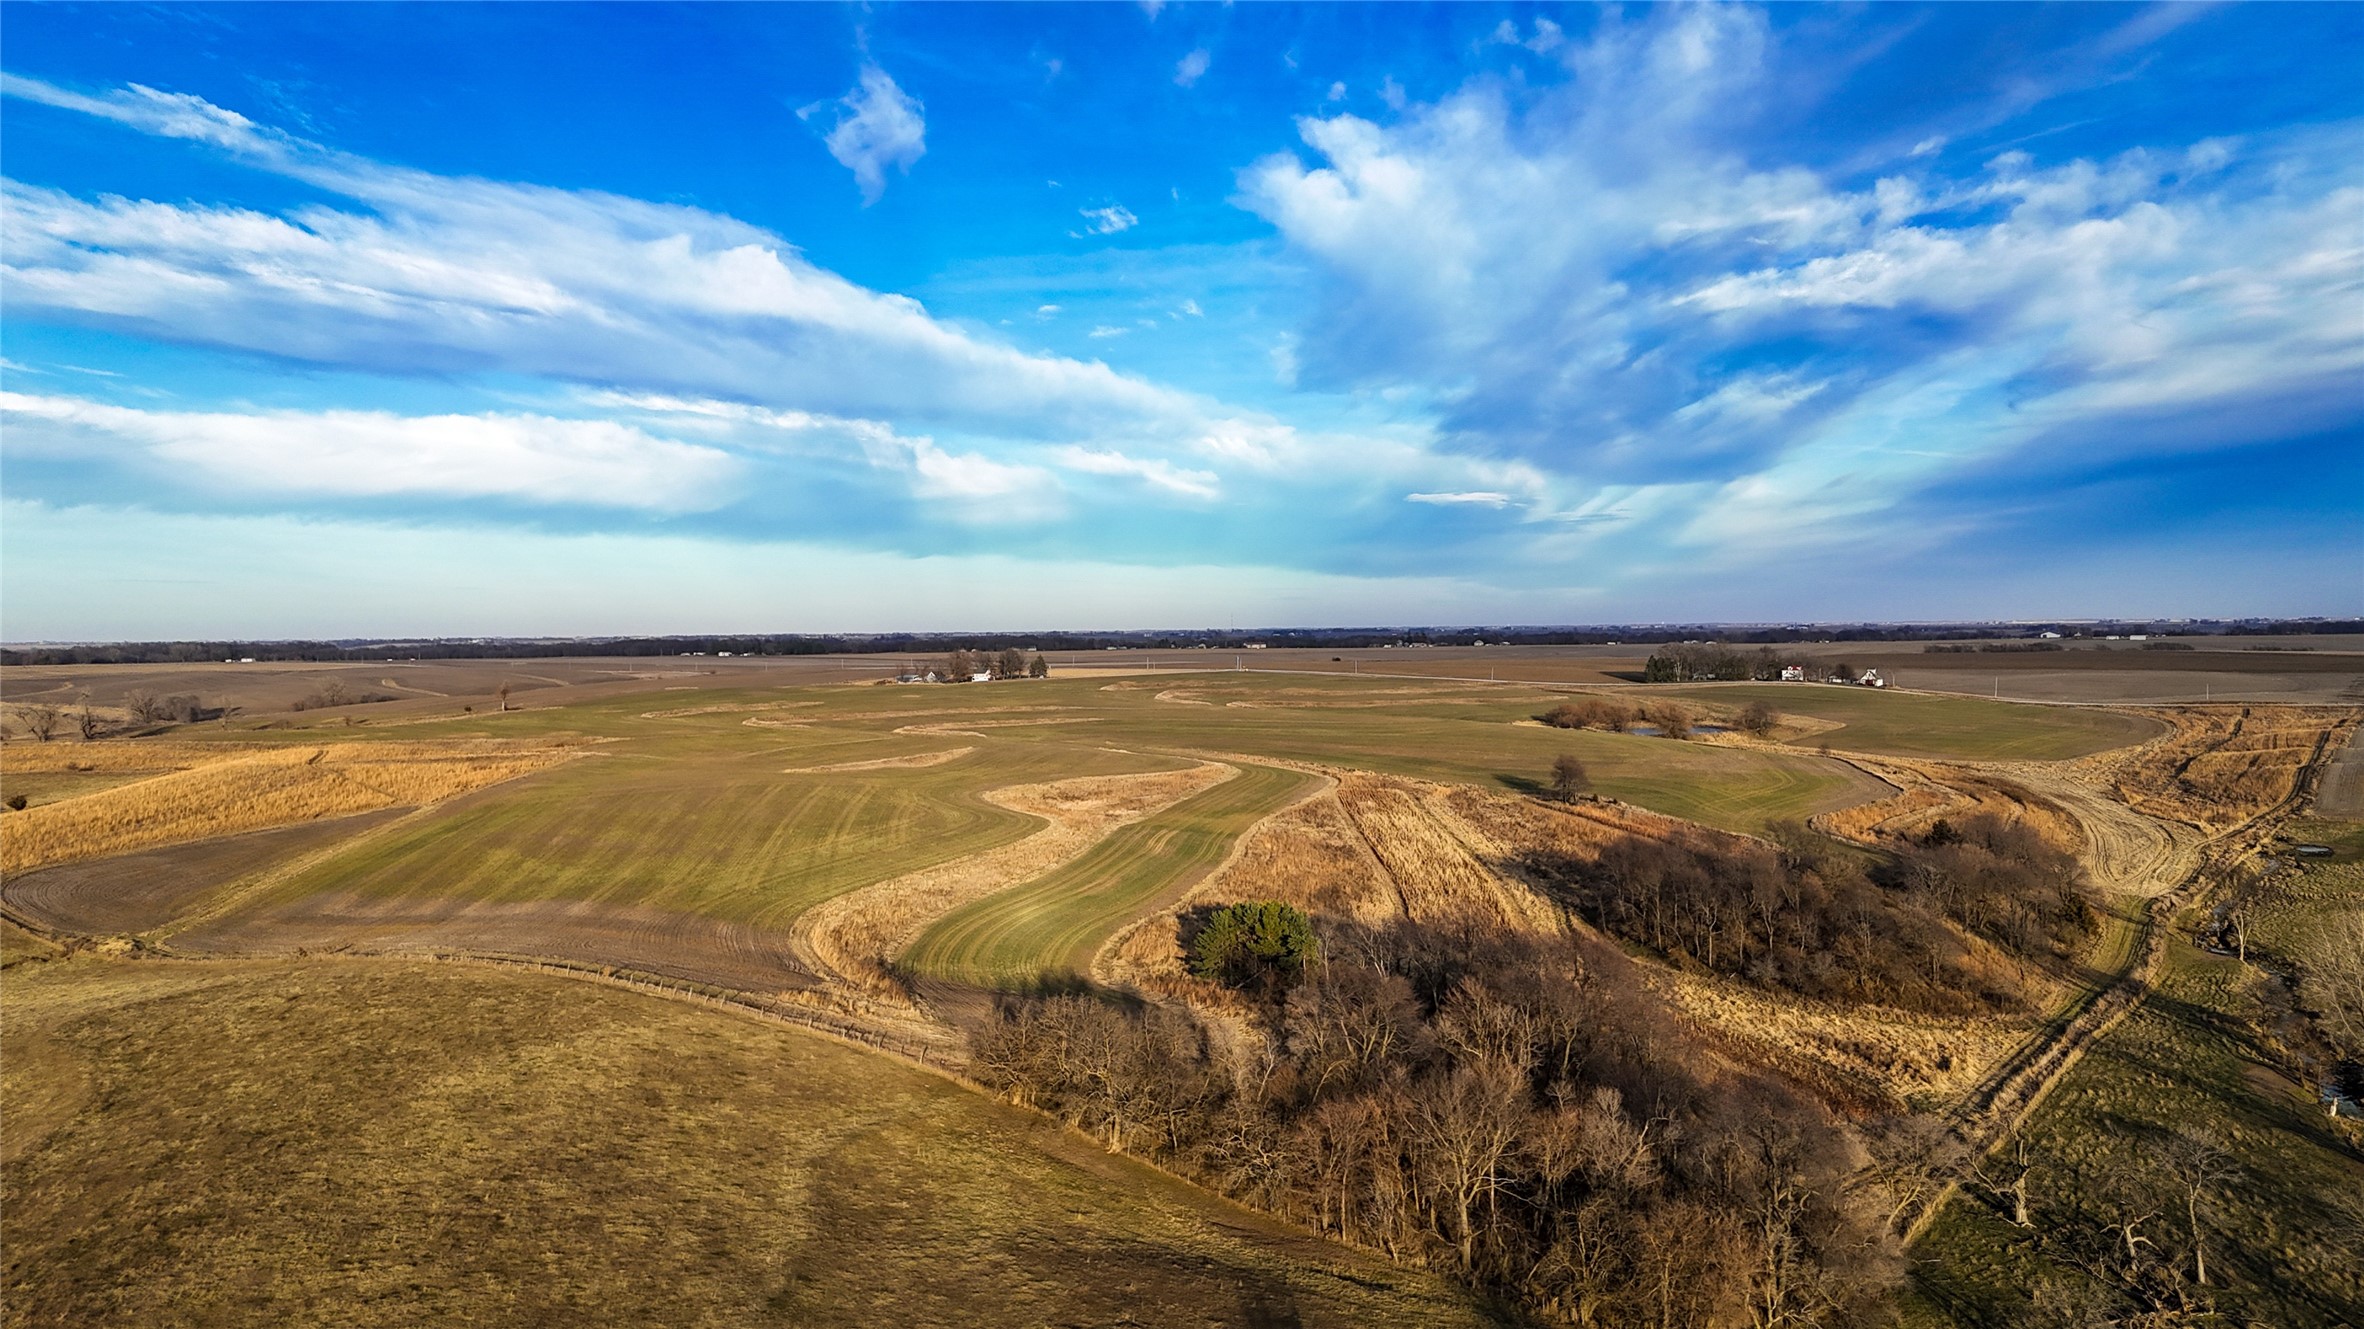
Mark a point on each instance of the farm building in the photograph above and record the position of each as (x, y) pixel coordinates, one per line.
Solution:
(1793, 673)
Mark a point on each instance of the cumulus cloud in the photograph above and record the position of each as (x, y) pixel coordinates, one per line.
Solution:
(376, 454)
(878, 125)
(1611, 281)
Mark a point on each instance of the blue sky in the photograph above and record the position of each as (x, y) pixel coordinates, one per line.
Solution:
(345, 320)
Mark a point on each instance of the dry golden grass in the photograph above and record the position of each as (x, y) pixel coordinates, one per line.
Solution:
(853, 935)
(247, 790)
(1862, 1055)
(1374, 849)
(1438, 860)
(1310, 856)
(1930, 791)
(2225, 764)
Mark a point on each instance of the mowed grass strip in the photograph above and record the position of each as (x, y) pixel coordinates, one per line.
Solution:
(395, 1144)
(1907, 724)
(1051, 926)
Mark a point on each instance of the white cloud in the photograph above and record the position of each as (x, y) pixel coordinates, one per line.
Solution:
(1109, 220)
(878, 125)
(1192, 67)
(1929, 146)
(1155, 471)
(1476, 498)
(1337, 93)
(375, 454)
(1105, 331)
(1392, 93)
(1191, 308)
(1571, 275)
(436, 275)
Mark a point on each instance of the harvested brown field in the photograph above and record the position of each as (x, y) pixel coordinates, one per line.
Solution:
(852, 935)
(142, 891)
(692, 948)
(915, 760)
(250, 790)
(398, 1143)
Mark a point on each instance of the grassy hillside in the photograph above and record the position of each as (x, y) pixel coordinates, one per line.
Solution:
(472, 1145)
(2282, 1220)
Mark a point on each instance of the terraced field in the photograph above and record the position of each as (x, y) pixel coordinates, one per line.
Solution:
(1052, 926)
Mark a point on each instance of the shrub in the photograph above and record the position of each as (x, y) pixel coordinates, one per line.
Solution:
(16, 802)
(1569, 779)
(1251, 944)
(1757, 719)
(1672, 720)
(1590, 713)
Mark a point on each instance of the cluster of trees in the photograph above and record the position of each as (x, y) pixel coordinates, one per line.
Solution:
(1668, 718)
(961, 666)
(333, 693)
(1806, 918)
(180, 708)
(1259, 945)
(1990, 647)
(1616, 717)
(1713, 661)
(1508, 1108)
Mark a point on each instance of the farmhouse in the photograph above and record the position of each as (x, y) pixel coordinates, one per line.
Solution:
(1793, 673)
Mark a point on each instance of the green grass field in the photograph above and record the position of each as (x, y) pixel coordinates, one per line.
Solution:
(2284, 1227)
(362, 1144)
(1053, 924)
(1906, 724)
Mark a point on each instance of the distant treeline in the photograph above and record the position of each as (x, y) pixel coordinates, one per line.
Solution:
(938, 643)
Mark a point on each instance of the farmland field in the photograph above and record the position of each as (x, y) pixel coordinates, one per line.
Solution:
(893, 865)
(1905, 724)
(1057, 921)
(481, 1144)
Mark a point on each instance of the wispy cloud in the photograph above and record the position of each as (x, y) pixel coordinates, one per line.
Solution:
(1108, 220)
(1155, 471)
(438, 274)
(1192, 67)
(375, 454)
(1478, 498)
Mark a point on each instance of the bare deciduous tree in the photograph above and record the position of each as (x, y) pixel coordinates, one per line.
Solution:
(2201, 1164)
(40, 721)
(1569, 780)
(2334, 984)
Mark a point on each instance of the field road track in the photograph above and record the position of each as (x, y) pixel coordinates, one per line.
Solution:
(1995, 1108)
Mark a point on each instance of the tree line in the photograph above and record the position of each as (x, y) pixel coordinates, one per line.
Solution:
(1515, 1110)
(1803, 916)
